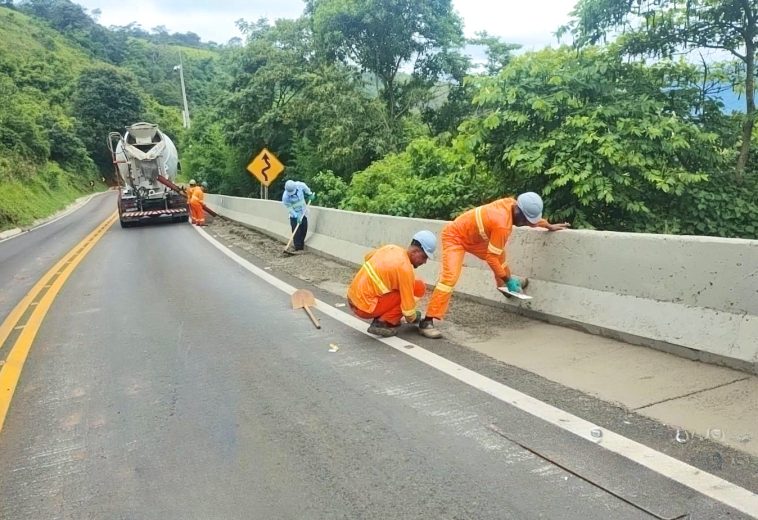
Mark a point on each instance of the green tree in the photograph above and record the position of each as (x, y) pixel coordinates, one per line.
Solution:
(429, 179)
(266, 76)
(205, 154)
(67, 149)
(63, 15)
(456, 93)
(331, 189)
(603, 139)
(719, 207)
(313, 116)
(386, 37)
(73, 21)
(499, 53)
(21, 124)
(105, 100)
(665, 27)
(339, 127)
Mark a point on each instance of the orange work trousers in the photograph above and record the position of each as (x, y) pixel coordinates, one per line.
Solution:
(453, 251)
(197, 213)
(388, 307)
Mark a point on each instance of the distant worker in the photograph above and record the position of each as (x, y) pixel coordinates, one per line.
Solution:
(483, 232)
(385, 288)
(188, 192)
(294, 199)
(196, 204)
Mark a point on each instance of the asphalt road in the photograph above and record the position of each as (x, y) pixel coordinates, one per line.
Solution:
(23, 259)
(167, 382)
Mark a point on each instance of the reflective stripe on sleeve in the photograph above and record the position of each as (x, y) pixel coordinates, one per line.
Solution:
(480, 223)
(375, 278)
(494, 250)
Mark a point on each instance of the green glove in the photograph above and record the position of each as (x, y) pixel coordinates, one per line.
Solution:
(417, 317)
(311, 197)
(513, 284)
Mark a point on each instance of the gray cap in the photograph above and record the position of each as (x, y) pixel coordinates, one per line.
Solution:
(530, 205)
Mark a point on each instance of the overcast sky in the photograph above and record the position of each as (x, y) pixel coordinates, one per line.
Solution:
(530, 23)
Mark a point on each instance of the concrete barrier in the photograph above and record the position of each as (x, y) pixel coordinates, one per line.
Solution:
(693, 296)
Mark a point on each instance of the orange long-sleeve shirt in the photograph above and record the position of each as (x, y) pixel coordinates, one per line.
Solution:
(384, 270)
(198, 195)
(489, 227)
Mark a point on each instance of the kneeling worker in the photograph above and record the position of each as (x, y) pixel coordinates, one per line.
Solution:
(386, 288)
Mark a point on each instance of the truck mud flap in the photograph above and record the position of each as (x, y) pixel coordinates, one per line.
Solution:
(133, 218)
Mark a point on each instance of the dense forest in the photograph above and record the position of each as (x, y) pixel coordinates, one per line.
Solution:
(380, 107)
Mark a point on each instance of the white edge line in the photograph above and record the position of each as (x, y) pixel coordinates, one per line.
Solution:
(56, 219)
(701, 481)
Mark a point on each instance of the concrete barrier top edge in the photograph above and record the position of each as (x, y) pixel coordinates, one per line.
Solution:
(588, 232)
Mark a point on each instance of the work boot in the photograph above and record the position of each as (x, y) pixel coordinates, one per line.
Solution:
(426, 328)
(381, 328)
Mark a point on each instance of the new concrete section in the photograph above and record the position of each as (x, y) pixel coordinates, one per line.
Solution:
(693, 296)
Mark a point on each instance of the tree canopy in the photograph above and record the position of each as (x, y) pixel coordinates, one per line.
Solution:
(664, 28)
(380, 107)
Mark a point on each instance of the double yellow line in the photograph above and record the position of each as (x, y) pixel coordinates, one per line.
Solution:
(22, 324)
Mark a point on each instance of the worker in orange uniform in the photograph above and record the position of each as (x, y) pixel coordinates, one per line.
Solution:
(385, 288)
(196, 204)
(483, 232)
(188, 192)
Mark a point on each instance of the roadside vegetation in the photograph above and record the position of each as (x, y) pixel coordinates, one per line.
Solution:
(643, 122)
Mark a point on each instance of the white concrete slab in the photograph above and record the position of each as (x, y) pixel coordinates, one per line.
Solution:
(617, 372)
(728, 414)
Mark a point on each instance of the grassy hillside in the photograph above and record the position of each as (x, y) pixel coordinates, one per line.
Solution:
(23, 38)
(46, 144)
(37, 70)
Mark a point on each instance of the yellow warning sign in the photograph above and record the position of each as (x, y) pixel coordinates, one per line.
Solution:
(265, 167)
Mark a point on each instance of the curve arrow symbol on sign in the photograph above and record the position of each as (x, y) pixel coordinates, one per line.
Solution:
(268, 166)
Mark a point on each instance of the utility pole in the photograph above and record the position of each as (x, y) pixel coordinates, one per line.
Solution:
(185, 112)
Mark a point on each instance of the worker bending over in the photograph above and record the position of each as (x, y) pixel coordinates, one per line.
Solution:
(483, 232)
(385, 288)
(294, 199)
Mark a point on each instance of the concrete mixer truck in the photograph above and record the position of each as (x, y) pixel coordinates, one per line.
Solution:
(146, 162)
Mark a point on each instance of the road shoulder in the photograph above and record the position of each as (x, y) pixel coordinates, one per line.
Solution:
(696, 412)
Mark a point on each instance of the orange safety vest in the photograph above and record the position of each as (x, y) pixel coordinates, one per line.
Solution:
(384, 270)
